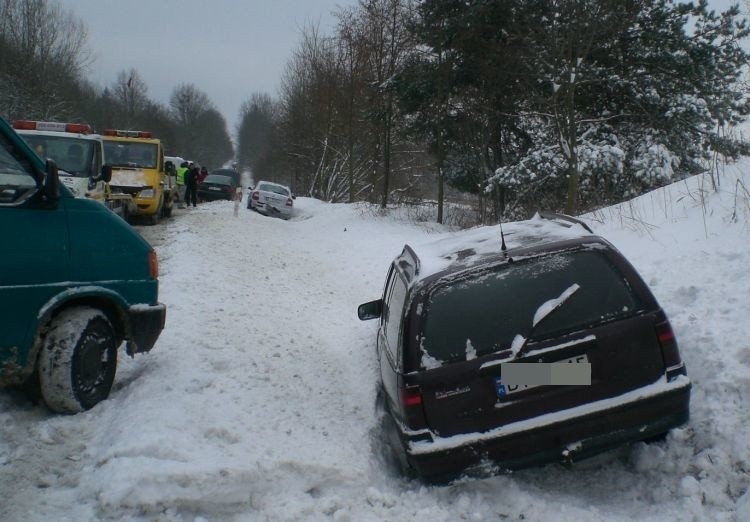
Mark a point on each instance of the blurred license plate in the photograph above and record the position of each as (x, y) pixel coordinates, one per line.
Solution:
(214, 188)
(542, 374)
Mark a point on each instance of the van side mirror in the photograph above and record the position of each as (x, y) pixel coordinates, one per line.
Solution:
(106, 175)
(371, 310)
(51, 188)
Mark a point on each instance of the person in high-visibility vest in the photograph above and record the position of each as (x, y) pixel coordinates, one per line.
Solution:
(181, 183)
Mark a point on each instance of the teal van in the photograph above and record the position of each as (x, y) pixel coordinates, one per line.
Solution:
(75, 282)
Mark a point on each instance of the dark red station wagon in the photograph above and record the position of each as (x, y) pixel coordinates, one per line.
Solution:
(503, 351)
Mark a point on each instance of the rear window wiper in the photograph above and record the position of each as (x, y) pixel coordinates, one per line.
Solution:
(519, 343)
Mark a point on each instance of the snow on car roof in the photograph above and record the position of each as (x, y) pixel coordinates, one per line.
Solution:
(273, 184)
(469, 246)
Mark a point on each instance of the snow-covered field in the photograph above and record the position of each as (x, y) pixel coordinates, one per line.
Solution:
(257, 402)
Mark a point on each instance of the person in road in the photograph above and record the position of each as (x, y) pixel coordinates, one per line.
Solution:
(191, 186)
(180, 180)
(202, 175)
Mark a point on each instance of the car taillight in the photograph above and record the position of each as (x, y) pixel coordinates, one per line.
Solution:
(153, 265)
(669, 351)
(289, 202)
(411, 400)
(256, 196)
(411, 396)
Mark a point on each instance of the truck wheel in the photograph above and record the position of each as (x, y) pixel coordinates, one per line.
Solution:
(153, 219)
(78, 360)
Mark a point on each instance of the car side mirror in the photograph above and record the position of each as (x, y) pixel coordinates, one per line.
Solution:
(51, 188)
(371, 310)
(106, 175)
(294, 197)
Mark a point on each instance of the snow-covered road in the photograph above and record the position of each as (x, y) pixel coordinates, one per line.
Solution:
(257, 402)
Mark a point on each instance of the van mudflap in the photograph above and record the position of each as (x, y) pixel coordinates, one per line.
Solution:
(146, 324)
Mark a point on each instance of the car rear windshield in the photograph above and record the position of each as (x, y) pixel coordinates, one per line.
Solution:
(483, 313)
(276, 189)
(219, 180)
(228, 173)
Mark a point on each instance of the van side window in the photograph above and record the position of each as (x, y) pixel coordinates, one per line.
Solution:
(394, 309)
(17, 181)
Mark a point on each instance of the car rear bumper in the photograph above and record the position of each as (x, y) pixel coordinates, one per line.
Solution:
(213, 196)
(561, 437)
(146, 323)
(271, 210)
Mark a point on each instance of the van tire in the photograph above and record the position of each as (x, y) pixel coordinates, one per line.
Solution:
(78, 360)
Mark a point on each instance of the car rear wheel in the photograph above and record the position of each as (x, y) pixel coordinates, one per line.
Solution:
(78, 360)
(387, 441)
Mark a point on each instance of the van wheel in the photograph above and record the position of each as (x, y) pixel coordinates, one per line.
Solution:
(78, 360)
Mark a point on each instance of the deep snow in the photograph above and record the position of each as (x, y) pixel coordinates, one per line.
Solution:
(257, 402)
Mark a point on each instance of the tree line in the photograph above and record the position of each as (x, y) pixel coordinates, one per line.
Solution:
(43, 62)
(520, 104)
(524, 104)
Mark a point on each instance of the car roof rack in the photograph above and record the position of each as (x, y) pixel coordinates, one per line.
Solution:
(545, 214)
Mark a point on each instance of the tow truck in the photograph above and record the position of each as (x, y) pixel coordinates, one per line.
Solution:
(79, 154)
(137, 160)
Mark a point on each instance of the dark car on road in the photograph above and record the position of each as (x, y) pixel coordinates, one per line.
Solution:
(215, 187)
(498, 356)
(232, 173)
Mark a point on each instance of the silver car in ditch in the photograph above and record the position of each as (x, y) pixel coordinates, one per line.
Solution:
(271, 199)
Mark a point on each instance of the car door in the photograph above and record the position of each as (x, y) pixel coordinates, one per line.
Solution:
(389, 336)
(34, 260)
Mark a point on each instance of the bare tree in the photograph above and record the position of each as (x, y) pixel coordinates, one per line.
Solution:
(257, 135)
(131, 95)
(387, 43)
(43, 46)
(188, 104)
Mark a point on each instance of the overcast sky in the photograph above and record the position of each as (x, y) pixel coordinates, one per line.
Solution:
(226, 48)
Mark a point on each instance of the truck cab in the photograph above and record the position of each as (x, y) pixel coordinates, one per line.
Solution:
(76, 282)
(79, 155)
(137, 160)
